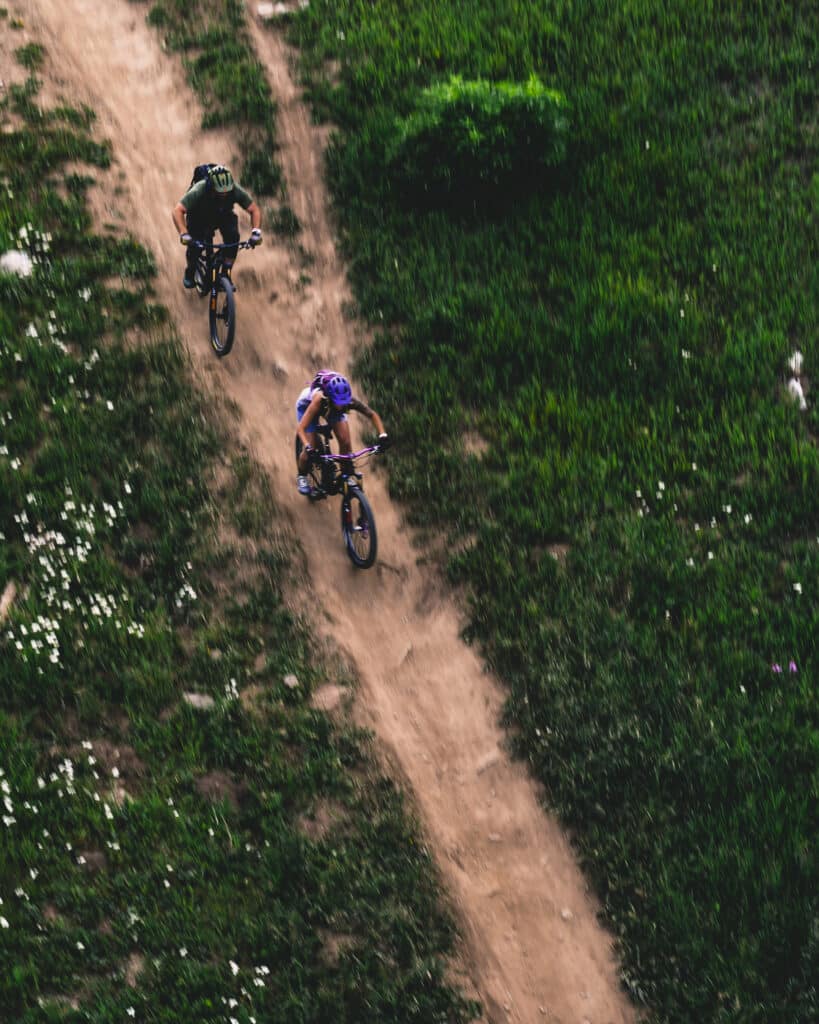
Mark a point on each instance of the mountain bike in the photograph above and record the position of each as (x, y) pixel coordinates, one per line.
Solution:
(213, 278)
(328, 478)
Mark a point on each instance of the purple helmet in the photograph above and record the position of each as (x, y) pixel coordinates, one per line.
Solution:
(338, 390)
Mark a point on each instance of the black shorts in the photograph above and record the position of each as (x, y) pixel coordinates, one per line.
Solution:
(202, 224)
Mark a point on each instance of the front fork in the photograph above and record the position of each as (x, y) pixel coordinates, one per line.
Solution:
(214, 290)
(348, 482)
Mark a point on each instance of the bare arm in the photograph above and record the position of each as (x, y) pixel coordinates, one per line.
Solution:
(379, 426)
(371, 414)
(178, 215)
(255, 212)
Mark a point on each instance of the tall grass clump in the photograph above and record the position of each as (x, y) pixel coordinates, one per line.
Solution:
(183, 836)
(592, 380)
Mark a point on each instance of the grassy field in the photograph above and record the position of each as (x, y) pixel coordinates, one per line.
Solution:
(184, 838)
(587, 368)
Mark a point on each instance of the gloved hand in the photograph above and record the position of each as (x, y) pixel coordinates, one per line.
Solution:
(255, 237)
(185, 238)
(384, 442)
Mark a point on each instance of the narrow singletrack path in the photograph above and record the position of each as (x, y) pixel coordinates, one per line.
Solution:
(532, 945)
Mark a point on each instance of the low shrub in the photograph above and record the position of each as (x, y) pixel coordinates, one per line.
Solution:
(474, 135)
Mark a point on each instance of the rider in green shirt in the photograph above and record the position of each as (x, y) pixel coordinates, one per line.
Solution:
(206, 207)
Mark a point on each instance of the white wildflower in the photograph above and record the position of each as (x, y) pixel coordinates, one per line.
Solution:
(796, 392)
(15, 261)
(795, 363)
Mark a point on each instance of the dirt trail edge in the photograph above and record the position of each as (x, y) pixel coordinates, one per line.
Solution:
(532, 945)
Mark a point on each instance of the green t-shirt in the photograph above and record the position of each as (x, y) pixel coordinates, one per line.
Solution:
(196, 194)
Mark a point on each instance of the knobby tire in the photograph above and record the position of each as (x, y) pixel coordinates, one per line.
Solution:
(222, 318)
(358, 527)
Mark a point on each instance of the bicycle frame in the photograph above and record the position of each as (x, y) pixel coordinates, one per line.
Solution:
(357, 521)
(336, 482)
(211, 263)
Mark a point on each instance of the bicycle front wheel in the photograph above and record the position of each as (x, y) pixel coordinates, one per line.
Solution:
(358, 527)
(222, 317)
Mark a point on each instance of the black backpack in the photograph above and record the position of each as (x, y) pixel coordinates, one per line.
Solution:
(200, 173)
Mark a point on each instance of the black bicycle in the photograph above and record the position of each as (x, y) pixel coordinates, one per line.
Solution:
(212, 278)
(327, 476)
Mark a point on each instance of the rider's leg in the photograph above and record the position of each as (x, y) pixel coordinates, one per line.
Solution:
(301, 454)
(302, 480)
(229, 229)
(301, 460)
(341, 429)
(201, 230)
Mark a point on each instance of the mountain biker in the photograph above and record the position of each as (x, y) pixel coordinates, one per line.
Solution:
(206, 207)
(329, 396)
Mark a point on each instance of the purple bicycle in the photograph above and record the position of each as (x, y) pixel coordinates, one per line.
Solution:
(328, 478)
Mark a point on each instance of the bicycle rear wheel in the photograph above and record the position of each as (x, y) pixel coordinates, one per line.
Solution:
(358, 527)
(222, 317)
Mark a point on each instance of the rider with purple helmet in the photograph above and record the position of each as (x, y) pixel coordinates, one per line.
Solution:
(329, 397)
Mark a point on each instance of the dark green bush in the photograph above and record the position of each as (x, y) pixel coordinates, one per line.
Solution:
(31, 56)
(474, 134)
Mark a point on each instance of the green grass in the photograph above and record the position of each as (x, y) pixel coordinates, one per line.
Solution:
(159, 862)
(619, 339)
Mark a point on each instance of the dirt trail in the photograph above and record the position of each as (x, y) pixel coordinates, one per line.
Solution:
(532, 944)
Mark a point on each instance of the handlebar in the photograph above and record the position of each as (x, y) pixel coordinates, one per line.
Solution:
(216, 246)
(373, 449)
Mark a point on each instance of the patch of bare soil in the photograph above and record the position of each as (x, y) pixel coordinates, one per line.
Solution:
(532, 945)
(94, 861)
(328, 697)
(133, 969)
(7, 600)
(218, 787)
(320, 821)
(334, 946)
